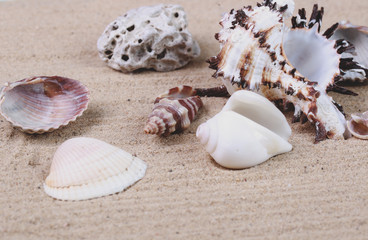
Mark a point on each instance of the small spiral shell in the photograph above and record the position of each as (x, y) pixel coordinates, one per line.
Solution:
(173, 111)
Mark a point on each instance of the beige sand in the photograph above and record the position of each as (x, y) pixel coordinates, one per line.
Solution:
(315, 191)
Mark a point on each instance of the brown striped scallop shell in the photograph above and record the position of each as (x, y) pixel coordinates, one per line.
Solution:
(173, 111)
(43, 104)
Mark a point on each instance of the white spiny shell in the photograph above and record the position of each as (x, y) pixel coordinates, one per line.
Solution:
(43, 104)
(236, 141)
(290, 7)
(148, 37)
(253, 57)
(85, 168)
(358, 36)
(358, 125)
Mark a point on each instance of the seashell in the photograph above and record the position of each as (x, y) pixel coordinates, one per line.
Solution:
(248, 131)
(358, 36)
(260, 110)
(148, 37)
(173, 111)
(253, 57)
(85, 168)
(358, 125)
(43, 104)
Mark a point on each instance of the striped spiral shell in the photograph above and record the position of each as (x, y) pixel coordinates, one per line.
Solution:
(173, 111)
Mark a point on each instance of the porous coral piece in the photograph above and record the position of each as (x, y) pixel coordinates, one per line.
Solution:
(148, 37)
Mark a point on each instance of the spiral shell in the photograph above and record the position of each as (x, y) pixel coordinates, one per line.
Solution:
(253, 57)
(84, 168)
(173, 111)
(43, 104)
(248, 131)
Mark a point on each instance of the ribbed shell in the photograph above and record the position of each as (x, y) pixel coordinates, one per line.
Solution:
(85, 168)
(252, 57)
(172, 114)
(43, 104)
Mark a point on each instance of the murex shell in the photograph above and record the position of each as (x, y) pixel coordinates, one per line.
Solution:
(148, 37)
(358, 125)
(173, 111)
(43, 104)
(85, 168)
(253, 57)
(248, 131)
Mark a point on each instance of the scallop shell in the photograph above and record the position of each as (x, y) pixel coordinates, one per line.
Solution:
(248, 131)
(358, 36)
(85, 168)
(252, 57)
(43, 104)
(173, 111)
(358, 125)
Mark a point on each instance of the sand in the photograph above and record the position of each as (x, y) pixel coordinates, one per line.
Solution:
(315, 191)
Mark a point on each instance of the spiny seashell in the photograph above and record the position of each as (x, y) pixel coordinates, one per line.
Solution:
(358, 36)
(248, 131)
(286, 7)
(358, 125)
(148, 37)
(43, 104)
(173, 111)
(85, 168)
(252, 57)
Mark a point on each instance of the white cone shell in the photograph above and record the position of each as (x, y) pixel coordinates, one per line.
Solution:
(248, 131)
(85, 168)
(260, 110)
(237, 142)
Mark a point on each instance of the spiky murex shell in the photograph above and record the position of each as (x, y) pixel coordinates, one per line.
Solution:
(252, 57)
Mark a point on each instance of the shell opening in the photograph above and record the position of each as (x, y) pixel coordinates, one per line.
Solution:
(312, 55)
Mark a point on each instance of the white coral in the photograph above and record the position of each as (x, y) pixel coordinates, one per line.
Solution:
(148, 37)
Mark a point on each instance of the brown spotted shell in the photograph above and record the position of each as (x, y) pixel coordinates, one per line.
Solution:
(43, 104)
(173, 111)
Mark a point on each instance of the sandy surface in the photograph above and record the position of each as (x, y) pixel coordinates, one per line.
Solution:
(315, 191)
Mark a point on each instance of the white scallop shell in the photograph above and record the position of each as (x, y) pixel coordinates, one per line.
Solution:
(236, 141)
(85, 168)
(43, 104)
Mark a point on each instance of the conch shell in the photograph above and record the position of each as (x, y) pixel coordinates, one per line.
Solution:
(252, 57)
(85, 168)
(43, 104)
(248, 131)
(173, 111)
(358, 125)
